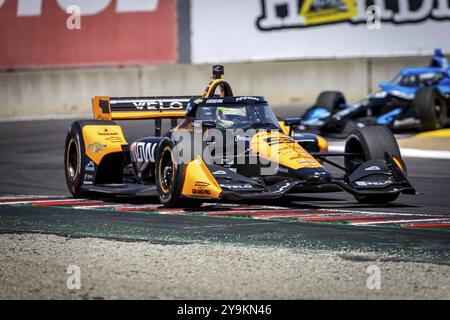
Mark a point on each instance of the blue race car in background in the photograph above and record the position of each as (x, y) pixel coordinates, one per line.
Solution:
(417, 99)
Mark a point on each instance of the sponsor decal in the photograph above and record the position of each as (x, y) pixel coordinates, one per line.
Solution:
(214, 101)
(157, 105)
(90, 167)
(106, 132)
(247, 98)
(201, 192)
(143, 152)
(373, 183)
(282, 188)
(323, 11)
(290, 14)
(406, 122)
(111, 136)
(201, 188)
(307, 161)
(96, 147)
(279, 140)
(114, 139)
(373, 168)
(201, 184)
(219, 172)
(236, 186)
(88, 178)
(242, 138)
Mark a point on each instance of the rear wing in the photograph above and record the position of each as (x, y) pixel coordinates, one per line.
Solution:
(135, 108)
(140, 108)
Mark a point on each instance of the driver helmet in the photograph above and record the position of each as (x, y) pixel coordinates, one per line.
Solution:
(228, 117)
(439, 60)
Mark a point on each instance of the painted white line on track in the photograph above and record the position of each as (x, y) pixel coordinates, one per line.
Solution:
(100, 206)
(407, 152)
(395, 221)
(425, 154)
(28, 196)
(384, 213)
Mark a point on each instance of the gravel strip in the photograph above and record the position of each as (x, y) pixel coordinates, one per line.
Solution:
(34, 266)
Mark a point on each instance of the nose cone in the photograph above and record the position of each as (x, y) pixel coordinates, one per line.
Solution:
(314, 176)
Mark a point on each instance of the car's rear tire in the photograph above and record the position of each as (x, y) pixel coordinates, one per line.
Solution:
(331, 100)
(169, 177)
(73, 160)
(372, 143)
(431, 108)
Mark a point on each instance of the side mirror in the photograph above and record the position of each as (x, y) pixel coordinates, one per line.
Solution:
(292, 121)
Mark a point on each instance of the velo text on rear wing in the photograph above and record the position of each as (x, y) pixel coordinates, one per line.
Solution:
(141, 108)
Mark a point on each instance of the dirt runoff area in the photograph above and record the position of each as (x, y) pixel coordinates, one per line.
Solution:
(34, 266)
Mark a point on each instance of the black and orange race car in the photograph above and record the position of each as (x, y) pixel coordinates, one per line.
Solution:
(223, 147)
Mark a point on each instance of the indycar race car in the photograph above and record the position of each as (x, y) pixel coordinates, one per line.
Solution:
(225, 147)
(417, 99)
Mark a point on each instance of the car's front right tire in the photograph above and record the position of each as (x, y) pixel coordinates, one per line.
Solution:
(372, 143)
(431, 108)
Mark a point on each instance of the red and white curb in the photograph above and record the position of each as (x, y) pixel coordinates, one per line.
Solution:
(350, 217)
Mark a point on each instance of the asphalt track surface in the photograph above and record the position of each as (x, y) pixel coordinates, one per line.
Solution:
(31, 163)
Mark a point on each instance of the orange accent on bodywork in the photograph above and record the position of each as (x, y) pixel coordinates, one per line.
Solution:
(399, 163)
(210, 89)
(323, 144)
(100, 140)
(199, 182)
(281, 148)
(99, 113)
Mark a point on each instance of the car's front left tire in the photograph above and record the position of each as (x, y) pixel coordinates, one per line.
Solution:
(169, 177)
